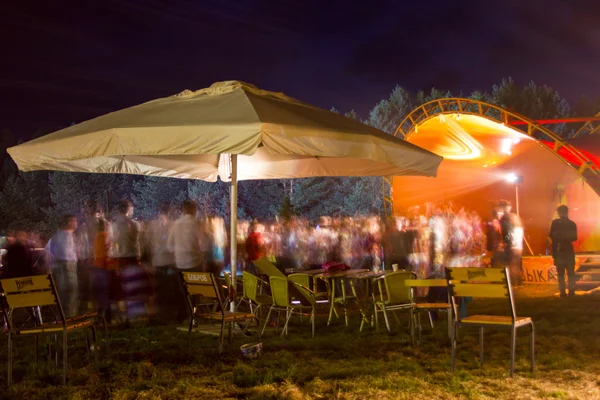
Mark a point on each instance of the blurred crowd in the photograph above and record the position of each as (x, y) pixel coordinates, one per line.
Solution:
(127, 267)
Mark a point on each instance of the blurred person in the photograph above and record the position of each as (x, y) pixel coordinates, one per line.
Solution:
(18, 259)
(255, 247)
(85, 237)
(126, 253)
(167, 279)
(187, 240)
(494, 239)
(64, 256)
(216, 237)
(513, 237)
(563, 232)
(395, 245)
(100, 274)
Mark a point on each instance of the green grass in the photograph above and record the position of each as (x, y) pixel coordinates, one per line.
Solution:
(159, 363)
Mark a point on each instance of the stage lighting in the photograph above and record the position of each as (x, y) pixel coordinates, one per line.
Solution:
(514, 178)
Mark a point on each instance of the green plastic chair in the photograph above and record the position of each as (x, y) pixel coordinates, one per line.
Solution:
(306, 281)
(396, 296)
(282, 302)
(252, 294)
(266, 267)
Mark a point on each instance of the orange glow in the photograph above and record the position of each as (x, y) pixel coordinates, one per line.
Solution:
(478, 156)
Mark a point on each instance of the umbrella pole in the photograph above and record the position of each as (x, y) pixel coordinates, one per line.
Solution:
(233, 228)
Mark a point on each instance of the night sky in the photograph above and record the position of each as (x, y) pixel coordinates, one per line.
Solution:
(68, 61)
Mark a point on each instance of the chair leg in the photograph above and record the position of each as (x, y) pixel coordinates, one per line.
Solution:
(481, 345)
(387, 320)
(65, 357)
(453, 344)
(449, 316)
(332, 306)
(376, 317)
(10, 357)
(106, 336)
(36, 339)
(430, 319)
(95, 345)
(266, 320)
(513, 345)
(412, 326)
(229, 334)
(222, 336)
(312, 318)
(288, 316)
(419, 327)
(532, 347)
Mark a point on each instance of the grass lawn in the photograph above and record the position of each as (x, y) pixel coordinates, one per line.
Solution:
(158, 363)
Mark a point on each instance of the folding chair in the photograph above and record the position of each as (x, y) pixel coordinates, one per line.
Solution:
(282, 302)
(39, 291)
(307, 281)
(419, 307)
(251, 293)
(487, 283)
(206, 286)
(267, 268)
(396, 296)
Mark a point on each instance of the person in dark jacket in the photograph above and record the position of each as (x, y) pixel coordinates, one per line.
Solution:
(563, 232)
(18, 261)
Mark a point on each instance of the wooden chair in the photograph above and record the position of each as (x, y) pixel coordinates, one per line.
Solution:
(36, 292)
(419, 307)
(206, 286)
(487, 283)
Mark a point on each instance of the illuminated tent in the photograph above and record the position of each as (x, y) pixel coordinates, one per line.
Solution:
(482, 145)
(232, 130)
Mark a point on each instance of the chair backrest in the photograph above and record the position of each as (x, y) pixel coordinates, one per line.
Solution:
(480, 282)
(302, 284)
(425, 283)
(302, 279)
(395, 286)
(31, 291)
(202, 284)
(280, 291)
(267, 267)
(250, 285)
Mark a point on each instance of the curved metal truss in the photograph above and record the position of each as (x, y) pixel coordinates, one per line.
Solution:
(585, 167)
(589, 128)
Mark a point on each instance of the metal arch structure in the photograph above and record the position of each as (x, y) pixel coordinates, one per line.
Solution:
(586, 168)
(588, 128)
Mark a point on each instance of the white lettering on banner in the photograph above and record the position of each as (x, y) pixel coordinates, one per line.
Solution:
(197, 277)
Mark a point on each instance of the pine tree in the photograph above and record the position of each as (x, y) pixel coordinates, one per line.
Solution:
(23, 198)
(389, 113)
(150, 192)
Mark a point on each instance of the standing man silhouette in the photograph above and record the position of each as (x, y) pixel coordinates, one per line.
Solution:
(563, 232)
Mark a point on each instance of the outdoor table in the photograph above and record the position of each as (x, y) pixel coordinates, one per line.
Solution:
(340, 276)
(369, 277)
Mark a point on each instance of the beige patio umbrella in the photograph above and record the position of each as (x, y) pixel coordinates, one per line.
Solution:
(233, 130)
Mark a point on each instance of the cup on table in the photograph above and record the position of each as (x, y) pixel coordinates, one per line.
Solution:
(395, 267)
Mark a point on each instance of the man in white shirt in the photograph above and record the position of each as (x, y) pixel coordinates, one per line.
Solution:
(64, 255)
(187, 240)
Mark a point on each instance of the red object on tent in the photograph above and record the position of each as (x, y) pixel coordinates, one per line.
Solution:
(568, 155)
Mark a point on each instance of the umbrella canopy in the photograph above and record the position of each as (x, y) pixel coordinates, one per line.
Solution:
(186, 135)
(233, 130)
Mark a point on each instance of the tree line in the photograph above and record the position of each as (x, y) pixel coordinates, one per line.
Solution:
(34, 201)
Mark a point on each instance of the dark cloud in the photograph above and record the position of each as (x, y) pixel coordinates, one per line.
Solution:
(74, 60)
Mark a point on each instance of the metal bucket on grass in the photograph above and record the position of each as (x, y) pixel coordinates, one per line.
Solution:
(251, 350)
